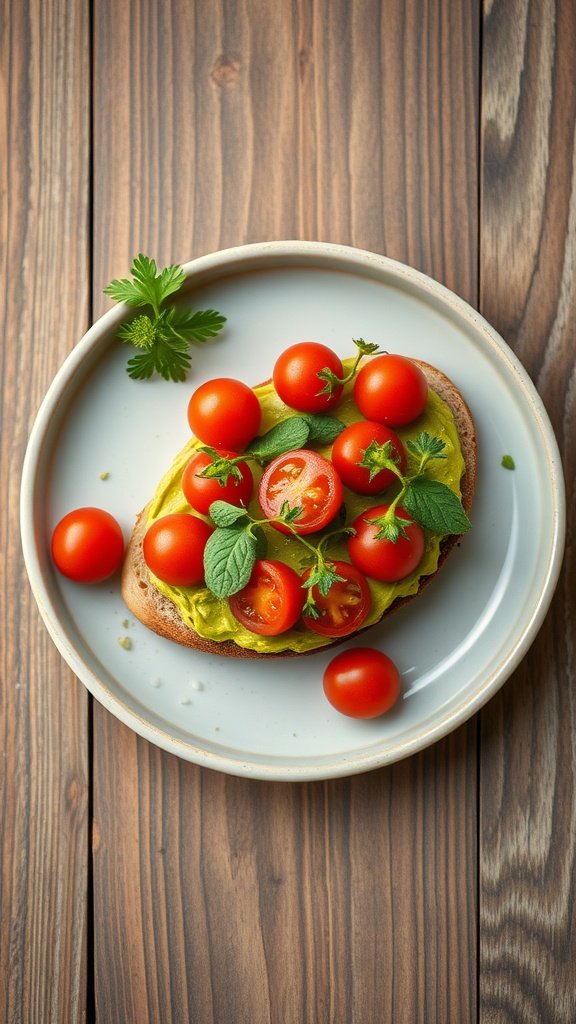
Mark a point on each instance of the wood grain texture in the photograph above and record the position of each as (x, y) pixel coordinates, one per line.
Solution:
(218, 899)
(528, 290)
(44, 119)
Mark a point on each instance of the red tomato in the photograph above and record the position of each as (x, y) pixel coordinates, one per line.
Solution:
(346, 605)
(391, 389)
(271, 602)
(201, 491)
(362, 682)
(301, 478)
(296, 377)
(348, 451)
(382, 559)
(173, 548)
(224, 413)
(87, 545)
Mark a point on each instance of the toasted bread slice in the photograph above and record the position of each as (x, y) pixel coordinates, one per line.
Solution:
(159, 614)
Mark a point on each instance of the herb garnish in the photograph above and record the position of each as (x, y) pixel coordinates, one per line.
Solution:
(429, 502)
(233, 548)
(163, 334)
(290, 434)
(508, 462)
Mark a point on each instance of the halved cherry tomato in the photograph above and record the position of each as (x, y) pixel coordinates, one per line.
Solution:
(391, 389)
(305, 479)
(382, 559)
(348, 452)
(362, 682)
(345, 606)
(224, 413)
(87, 545)
(201, 491)
(173, 548)
(296, 379)
(272, 600)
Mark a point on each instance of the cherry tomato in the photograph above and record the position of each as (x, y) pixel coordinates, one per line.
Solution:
(272, 601)
(224, 413)
(296, 379)
(201, 491)
(346, 605)
(362, 682)
(87, 545)
(382, 559)
(305, 479)
(173, 548)
(348, 451)
(391, 389)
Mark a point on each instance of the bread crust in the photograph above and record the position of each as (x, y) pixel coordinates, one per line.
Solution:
(159, 614)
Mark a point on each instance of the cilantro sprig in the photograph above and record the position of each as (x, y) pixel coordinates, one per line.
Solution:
(286, 436)
(430, 503)
(236, 543)
(162, 334)
(332, 382)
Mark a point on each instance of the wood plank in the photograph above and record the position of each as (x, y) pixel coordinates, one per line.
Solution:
(44, 193)
(528, 290)
(221, 899)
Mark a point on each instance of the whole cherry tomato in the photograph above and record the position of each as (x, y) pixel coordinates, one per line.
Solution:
(383, 559)
(346, 605)
(224, 413)
(271, 601)
(87, 545)
(362, 682)
(173, 548)
(303, 479)
(349, 450)
(201, 491)
(391, 389)
(296, 377)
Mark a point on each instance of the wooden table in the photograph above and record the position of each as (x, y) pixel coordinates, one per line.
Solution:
(135, 887)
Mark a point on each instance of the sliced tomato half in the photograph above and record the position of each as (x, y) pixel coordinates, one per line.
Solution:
(301, 479)
(271, 602)
(345, 606)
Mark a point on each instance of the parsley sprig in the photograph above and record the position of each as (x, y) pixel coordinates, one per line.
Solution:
(236, 543)
(163, 333)
(428, 502)
(332, 382)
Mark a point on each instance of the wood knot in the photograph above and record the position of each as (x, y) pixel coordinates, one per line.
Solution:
(225, 72)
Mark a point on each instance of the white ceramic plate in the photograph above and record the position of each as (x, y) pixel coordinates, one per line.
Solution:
(455, 645)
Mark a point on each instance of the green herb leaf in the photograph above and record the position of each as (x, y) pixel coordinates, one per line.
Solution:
(222, 513)
(229, 558)
(198, 326)
(165, 337)
(508, 462)
(147, 287)
(323, 429)
(435, 506)
(427, 446)
(285, 436)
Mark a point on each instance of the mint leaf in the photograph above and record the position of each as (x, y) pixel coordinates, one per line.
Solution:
(323, 429)
(222, 513)
(435, 506)
(285, 436)
(229, 558)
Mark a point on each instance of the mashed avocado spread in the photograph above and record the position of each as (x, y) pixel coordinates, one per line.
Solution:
(211, 617)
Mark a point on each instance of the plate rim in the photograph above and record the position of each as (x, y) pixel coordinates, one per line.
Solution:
(263, 255)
